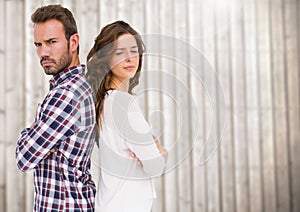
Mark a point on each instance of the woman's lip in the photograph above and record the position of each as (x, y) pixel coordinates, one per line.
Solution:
(129, 67)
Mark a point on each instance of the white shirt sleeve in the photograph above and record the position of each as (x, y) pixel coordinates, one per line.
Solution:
(137, 134)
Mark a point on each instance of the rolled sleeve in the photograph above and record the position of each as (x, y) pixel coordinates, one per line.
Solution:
(57, 119)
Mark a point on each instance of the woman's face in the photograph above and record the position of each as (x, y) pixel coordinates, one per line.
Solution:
(125, 60)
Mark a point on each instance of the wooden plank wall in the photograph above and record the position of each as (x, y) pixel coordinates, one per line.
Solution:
(253, 49)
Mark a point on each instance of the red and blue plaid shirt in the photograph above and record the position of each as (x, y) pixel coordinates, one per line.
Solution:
(64, 121)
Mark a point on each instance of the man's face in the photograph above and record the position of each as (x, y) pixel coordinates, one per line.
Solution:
(52, 46)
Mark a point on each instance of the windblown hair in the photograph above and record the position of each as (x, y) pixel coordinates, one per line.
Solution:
(99, 74)
(59, 13)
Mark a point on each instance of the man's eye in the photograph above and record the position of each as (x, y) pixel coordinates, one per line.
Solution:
(37, 44)
(51, 41)
(119, 53)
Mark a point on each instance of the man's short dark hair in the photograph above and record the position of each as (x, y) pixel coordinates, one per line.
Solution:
(59, 13)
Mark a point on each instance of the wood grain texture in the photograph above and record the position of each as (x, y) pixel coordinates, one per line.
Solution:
(253, 47)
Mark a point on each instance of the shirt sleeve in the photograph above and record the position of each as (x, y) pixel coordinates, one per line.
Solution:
(56, 120)
(139, 137)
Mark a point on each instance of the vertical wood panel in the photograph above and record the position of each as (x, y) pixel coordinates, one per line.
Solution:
(182, 96)
(279, 112)
(15, 198)
(239, 105)
(212, 165)
(252, 89)
(46, 2)
(124, 10)
(292, 89)
(88, 24)
(2, 110)
(266, 119)
(166, 27)
(29, 93)
(137, 15)
(224, 71)
(199, 190)
(108, 11)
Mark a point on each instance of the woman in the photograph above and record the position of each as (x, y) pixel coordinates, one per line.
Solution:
(114, 64)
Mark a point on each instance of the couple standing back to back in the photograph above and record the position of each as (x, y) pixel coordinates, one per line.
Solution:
(59, 143)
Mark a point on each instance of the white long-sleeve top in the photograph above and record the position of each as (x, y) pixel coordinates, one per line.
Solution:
(122, 181)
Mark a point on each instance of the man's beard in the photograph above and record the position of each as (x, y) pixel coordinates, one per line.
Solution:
(58, 66)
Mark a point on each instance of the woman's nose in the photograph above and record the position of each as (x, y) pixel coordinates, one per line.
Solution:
(128, 56)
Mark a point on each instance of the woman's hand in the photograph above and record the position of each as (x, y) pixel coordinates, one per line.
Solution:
(163, 151)
(133, 155)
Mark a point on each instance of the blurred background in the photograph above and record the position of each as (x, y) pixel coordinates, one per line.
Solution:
(234, 124)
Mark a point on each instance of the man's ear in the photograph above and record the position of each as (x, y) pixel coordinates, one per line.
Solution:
(74, 42)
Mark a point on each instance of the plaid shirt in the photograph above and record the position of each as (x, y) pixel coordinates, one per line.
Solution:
(64, 121)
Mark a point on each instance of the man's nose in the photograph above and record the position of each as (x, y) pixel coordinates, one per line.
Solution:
(43, 51)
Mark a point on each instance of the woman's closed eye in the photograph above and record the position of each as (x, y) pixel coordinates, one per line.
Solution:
(122, 52)
(119, 53)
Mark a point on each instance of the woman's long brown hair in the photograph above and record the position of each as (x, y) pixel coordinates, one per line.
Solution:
(99, 74)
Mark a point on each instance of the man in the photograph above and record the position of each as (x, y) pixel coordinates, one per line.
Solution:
(59, 143)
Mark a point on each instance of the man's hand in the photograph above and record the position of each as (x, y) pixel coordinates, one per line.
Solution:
(50, 152)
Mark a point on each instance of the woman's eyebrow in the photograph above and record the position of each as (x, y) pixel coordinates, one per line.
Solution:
(126, 48)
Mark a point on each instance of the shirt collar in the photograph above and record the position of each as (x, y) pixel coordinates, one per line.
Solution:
(61, 76)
